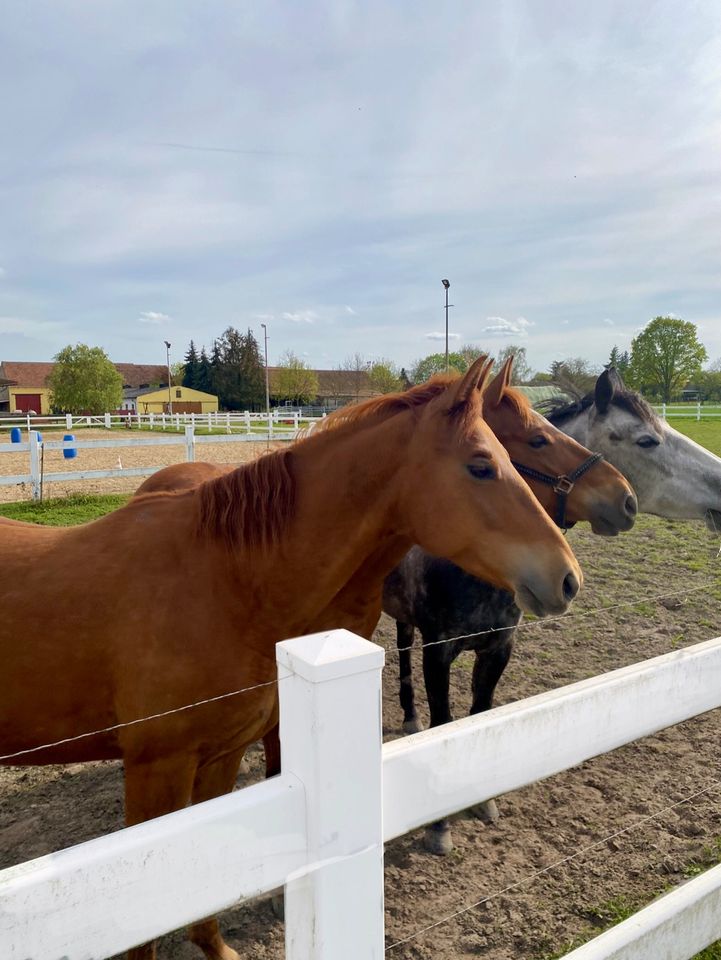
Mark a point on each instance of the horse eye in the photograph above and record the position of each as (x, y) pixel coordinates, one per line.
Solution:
(539, 441)
(482, 471)
(647, 441)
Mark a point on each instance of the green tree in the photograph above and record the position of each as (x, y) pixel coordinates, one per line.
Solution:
(620, 361)
(709, 381)
(427, 367)
(84, 380)
(294, 380)
(238, 372)
(192, 363)
(204, 373)
(665, 356)
(384, 376)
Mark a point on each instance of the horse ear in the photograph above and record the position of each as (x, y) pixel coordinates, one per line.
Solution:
(606, 386)
(496, 388)
(474, 379)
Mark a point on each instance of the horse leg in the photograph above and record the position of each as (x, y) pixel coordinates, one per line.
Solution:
(213, 780)
(437, 673)
(152, 790)
(271, 744)
(487, 671)
(404, 641)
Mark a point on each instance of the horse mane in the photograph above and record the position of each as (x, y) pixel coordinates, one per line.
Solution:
(559, 411)
(385, 406)
(520, 404)
(250, 506)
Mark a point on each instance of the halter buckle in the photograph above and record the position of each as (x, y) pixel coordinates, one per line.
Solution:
(563, 485)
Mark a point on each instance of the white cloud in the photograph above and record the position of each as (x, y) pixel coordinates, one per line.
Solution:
(500, 327)
(302, 316)
(264, 317)
(441, 336)
(608, 321)
(348, 309)
(152, 316)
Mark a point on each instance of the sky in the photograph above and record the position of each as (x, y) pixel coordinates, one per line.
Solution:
(169, 169)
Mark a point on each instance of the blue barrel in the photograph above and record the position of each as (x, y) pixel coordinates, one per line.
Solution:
(40, 436)
(16, 435)
(72, 452)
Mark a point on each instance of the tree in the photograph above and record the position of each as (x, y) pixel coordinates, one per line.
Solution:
(192, 363)
(294, 380)
(709, 381)
(177, 372)
(575, 376)
(619, 361)
(384, 376)
(204, 373)
(238, 374)
(356, 365)
(522, 371)
(665, 356)
(458, 360)
(84, 380)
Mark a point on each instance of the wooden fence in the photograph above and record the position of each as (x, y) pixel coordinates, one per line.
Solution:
(318, 828)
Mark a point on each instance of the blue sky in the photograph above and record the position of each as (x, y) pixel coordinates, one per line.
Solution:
(171, 168)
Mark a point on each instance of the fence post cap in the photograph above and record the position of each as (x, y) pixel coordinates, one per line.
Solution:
(329, 655)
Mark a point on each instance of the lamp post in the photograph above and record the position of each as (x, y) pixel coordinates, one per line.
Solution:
(170, 395)
(267, 387)
(446, 284)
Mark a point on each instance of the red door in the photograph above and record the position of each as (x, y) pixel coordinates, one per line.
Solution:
(27, 401)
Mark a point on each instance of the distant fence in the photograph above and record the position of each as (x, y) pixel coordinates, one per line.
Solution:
(36, 477)
(687, 411)
(280, 419)
(319, 827)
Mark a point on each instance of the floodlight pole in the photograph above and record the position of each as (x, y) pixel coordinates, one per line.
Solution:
(446, 284)
(267, 386)
(170, 393)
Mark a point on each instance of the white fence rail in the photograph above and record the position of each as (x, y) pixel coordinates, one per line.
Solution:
(319, 827)
(37, 477)
(239, 421)
(688, 411)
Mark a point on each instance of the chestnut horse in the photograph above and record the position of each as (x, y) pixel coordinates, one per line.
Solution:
(175, 597)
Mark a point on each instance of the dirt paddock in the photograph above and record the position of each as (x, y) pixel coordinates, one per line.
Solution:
(531, 915)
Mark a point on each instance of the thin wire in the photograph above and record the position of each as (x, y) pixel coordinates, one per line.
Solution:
(552, 866)
(564, 616)
(132, 723)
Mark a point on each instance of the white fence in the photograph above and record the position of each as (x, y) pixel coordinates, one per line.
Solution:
(37, 477)
(319, 827)
(687, 411)
(246, 421)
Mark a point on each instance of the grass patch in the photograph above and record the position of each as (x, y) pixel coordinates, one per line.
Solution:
(705, 432)
(64, 511)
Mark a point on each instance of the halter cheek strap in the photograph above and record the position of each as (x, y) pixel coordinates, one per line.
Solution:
(562, 484)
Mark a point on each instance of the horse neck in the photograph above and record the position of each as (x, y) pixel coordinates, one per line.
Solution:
(347, 508)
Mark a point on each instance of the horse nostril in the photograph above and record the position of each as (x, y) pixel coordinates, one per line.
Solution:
(631, 505)
(570, 586)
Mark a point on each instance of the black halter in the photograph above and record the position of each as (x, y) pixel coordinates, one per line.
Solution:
(562, 484)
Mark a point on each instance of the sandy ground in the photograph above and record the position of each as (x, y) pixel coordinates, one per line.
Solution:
(15, 464)
(46, 809)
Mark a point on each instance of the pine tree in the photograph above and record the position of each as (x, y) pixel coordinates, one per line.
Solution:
(192, 364)
(204, 379)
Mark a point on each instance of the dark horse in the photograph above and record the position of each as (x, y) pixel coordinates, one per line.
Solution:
(673, 477)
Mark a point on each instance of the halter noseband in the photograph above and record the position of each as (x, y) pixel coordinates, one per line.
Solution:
(562, 485)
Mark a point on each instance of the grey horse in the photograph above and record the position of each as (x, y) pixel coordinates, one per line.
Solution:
(673, 477)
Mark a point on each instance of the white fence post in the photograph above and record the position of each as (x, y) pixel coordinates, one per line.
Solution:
(330, 727)
(35, 464)
(663, 410)
(107, 421)
(68, 421)
(247, 421)
(698, 409)
(190, 443)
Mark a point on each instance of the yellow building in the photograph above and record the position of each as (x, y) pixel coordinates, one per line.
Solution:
(183, 400)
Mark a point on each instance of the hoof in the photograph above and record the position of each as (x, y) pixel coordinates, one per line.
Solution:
(437, 839)
(487, 811)
(412, 726)
(277, 905)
